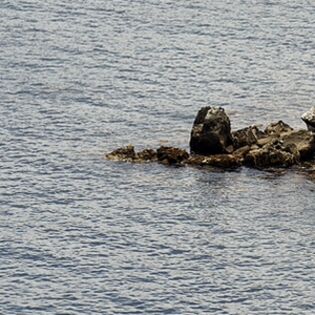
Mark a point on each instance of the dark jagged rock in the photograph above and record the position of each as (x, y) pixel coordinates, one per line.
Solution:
(216, 160)
(273, 154)
(309, 119)
(171, 156)
(211, 132)
(246, 136)
(275, 129)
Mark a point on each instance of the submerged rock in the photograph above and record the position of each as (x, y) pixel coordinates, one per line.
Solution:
(309, 119)
(211, 132)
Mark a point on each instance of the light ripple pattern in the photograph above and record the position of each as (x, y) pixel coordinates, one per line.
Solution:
(82, 235)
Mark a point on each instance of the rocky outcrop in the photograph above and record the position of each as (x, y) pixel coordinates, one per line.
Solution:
(213, 144)
(211, 132)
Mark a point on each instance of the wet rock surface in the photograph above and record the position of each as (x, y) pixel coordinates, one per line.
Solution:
(216, 160)
(172, 156)
(124, 154)
(213, 144)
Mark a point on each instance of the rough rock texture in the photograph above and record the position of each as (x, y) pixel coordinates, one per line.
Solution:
(217, 160)
(275, 129)
(124, 154)
(309, 119)
(304, 141)
(246, 136)
(211, 132)
(147, 155)
(128, 154)
(212, 144)
(171, 156)
(273, 154)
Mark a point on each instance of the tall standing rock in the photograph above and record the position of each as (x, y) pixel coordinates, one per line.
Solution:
(211, 132)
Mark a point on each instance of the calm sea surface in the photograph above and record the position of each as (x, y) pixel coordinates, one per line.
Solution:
(82, 235)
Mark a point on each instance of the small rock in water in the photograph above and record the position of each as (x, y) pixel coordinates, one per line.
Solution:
(146, 155)
(309, 119)
(126, 154)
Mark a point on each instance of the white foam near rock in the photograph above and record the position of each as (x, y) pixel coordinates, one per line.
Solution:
(309, 119)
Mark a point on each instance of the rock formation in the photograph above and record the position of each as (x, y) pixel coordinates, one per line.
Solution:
(211, 132)
(213, 144)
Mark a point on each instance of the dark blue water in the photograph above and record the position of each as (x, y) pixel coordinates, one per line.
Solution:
(82, 235)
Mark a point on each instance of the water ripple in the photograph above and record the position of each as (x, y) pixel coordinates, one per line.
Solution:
(81, 235)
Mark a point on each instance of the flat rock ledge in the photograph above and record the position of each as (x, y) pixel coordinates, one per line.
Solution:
(212, 143)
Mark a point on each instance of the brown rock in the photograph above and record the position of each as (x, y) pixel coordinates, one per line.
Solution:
(216, 160)
(277, 128)
(273, 154)
(242, 151)
(147, 155)
(304, 141)
(263, 141)
(170, 155)
(125, 154)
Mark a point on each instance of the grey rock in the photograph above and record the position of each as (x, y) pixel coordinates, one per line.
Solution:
(309, 119)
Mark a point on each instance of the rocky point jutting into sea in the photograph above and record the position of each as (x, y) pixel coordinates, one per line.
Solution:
(212, 143)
